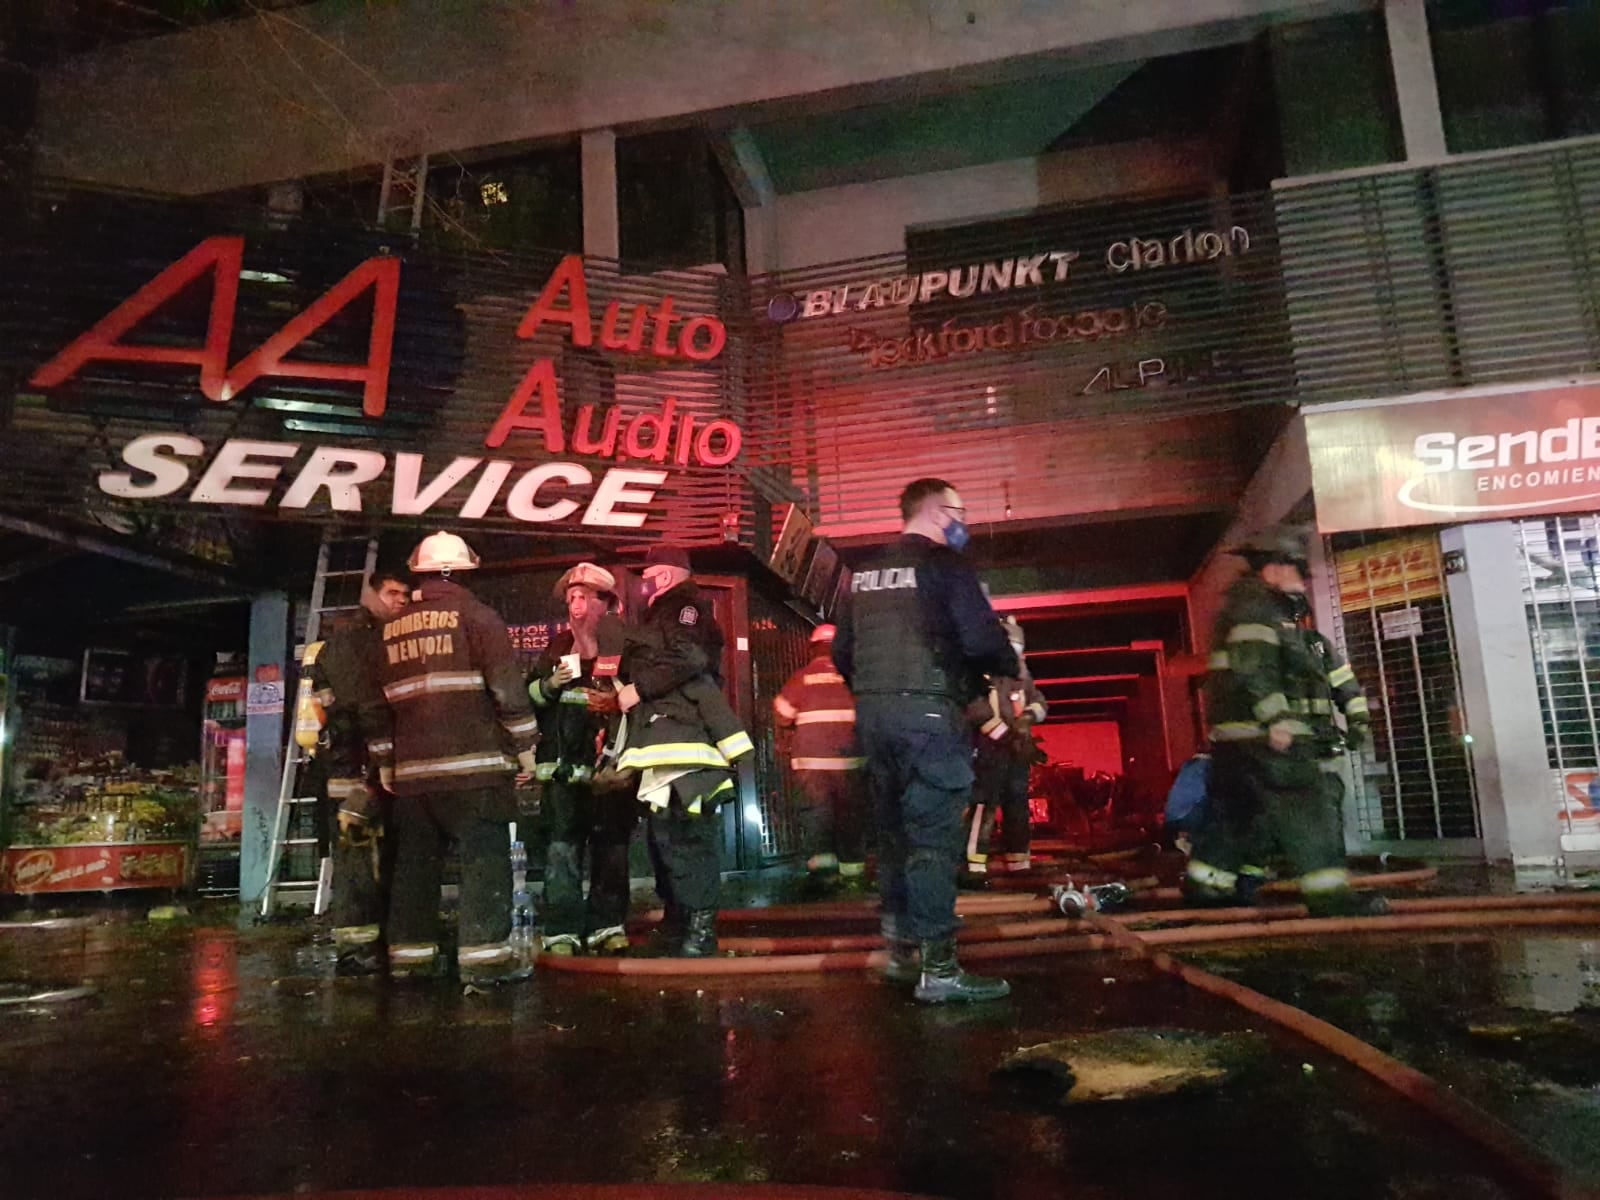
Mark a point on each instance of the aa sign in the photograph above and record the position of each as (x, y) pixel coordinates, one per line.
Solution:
(1472, 456)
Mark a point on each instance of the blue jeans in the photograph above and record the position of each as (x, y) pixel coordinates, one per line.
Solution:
(919, 767)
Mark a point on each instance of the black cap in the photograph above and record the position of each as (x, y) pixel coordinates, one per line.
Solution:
(672, 556)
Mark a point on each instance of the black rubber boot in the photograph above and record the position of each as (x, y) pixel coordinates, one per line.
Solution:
(944, 982)
(355, 962)
(903, 966)
(700, 940)
(667, 937)
(1247, 889)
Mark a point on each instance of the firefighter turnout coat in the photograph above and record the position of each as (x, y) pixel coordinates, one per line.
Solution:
(683, 733)
(818, 709)
(1266, 669)
(455, 694)
(569, 733)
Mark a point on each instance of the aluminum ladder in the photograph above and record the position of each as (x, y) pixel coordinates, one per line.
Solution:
(293, 826)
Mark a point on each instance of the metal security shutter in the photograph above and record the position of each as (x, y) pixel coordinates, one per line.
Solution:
(1561, 592)
(779, 646)
(1416, 783)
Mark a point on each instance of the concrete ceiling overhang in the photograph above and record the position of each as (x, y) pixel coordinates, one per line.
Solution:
(332, 87)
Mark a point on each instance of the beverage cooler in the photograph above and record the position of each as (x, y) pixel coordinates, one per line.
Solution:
(221, 784)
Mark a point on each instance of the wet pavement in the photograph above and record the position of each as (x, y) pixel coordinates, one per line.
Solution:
(217, 1061)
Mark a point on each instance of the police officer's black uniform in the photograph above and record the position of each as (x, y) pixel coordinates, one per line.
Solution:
(913, 643)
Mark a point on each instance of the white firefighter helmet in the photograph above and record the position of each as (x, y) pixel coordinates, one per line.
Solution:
(443, 552)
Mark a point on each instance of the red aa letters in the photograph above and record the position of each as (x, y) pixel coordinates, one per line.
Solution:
(222, 257)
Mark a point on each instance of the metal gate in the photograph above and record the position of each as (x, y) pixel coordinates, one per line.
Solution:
(1416, 782)
(1561, 594)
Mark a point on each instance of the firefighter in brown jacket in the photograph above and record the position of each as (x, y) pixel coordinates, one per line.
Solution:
(1003, 720)
(816, 718)
(462, 727)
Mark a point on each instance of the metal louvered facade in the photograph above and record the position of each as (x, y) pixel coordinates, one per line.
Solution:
(1115, 357)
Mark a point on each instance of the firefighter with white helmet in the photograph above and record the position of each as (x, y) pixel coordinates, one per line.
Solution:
(816, 718)
(461, 728)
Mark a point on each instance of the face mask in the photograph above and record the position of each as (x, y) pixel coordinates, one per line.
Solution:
(956, 535)
(1299, 606)
(647, 587)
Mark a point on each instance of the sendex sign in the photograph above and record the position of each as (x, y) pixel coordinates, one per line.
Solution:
(1475, 456)
(246, 473)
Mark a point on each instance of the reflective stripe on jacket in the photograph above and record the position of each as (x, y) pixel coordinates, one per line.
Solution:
(819, 713)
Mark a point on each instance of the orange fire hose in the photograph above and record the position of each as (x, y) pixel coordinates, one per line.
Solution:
(983, 904)
(990, 941)
(767, 956)
(1520, 1159)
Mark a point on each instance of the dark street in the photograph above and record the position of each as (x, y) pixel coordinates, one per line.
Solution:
(212, 1062)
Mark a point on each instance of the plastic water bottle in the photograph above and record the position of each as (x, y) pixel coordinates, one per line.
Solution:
(522, 939)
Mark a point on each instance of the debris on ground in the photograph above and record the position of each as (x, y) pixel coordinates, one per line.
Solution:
(1130, 1064)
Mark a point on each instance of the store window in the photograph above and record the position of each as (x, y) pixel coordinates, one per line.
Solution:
(1561, 593)
(1416, 781)
(675, 207)
(524, 202)
(1516, 71)
(531, 201)
(1334, 87)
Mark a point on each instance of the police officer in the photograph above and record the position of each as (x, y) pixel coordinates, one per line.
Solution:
(816, 716)
(914, 641)
(569, 701)
(343, 684)
(462, 726)
(1269, 699)
(683, 739)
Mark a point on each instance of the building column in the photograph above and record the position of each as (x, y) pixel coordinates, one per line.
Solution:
(1500, 694)
(601, 229)
(1416, 86)
(264, 736)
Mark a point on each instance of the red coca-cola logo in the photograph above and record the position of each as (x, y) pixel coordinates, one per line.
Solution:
(33, 867)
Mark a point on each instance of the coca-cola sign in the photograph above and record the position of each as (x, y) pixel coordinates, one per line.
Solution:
(1472, 456)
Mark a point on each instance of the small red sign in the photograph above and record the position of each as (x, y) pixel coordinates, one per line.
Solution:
(269, 673)
(93, 868)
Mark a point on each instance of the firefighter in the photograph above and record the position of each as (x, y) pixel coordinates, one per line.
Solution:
(914, 641)
(816, 716)
(1003, 720)
(682, 740)
(342, 687)
(462, 726)
(573, 709)
(1269, 697)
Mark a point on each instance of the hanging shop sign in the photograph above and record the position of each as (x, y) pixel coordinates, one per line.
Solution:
(1398, 570)
(1477, 456)
(174, 466)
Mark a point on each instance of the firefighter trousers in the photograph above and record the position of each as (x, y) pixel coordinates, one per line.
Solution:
(423, 826)
(1257, 815)
(686, 852)
(834, 818)
(361, 872)
(577, 821)
(1000, 789)
(919, 767)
